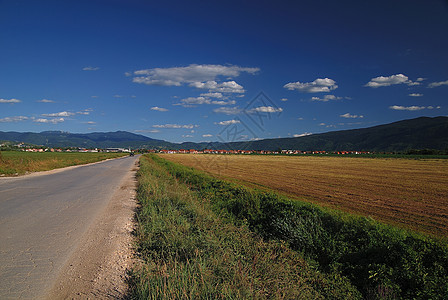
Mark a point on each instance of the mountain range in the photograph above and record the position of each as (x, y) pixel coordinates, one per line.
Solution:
(419, 133)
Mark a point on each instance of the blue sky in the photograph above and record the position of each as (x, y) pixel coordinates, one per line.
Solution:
(188, 70)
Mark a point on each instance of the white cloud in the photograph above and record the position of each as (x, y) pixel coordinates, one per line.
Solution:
(225, 123)
(302, 134)
(350, 116)
(436, 84)
(59, 114)
(223, 87)
(90, 68)
(391, 80)
(175, 126)
(409, 108)
(284, 99)
(10, 101)
(118, 96)
(222, 102)
(147, 131)
(158, 108)
(193, 101)
(85, 111)
(319, 85)
(13, 119)
(415, 95)
(266, 109)
(326, 98)
(322, 124)
(227, 110)
(52, 121)
(46, 101)
(213, 95)
(177, 76)
(207, 135)
(187, 136)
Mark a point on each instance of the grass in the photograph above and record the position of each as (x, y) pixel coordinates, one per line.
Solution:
(190, 251)
(13, 163)
(407, 193)
(381, 261)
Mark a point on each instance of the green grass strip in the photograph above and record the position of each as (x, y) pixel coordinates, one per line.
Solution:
(13, 163)
(190, 252)
(382, 261)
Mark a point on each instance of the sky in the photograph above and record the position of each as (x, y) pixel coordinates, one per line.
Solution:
(220, 70)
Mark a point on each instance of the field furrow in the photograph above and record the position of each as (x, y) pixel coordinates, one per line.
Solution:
(405, 192)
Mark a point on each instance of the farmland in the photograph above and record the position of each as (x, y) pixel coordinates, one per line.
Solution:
(13, 163)
(408, 193)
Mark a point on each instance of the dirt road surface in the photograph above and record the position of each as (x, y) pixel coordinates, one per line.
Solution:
(66, 234)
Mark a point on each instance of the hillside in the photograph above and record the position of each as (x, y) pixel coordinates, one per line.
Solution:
(419, 133)
(88, 140)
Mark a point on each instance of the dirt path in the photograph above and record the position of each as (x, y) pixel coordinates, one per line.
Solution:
(97, 269)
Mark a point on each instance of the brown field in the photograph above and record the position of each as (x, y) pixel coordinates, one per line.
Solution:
(408, 193)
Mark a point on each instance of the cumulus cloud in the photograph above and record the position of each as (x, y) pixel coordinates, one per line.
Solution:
(213, 95)
(436, 84)
(416, 95)
(223, 87)
(175, 126)
(207, 135)
(350, 116)
(284, 99)
(13, 119)
(147, 131)
(52, 121)
(59, 114)
(302, 134)
(158, 108)
(327, 98)
(409, 108)
(85, 111)
(391, 80)
(193, 73)
(317, 86)
(227, 110)
(45, 101)
(90, 68)
(266, 109)
(229, 122)
(193, 101)
(10, 101)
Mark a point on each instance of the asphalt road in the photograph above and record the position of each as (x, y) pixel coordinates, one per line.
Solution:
(42, 219)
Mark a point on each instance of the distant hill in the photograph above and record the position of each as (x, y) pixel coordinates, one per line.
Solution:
(419, 133)
(87, 140)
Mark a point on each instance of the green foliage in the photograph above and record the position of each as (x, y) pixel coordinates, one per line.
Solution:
(189, 252)
(383, 262)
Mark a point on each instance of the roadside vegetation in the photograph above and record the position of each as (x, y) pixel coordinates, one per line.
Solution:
(13, 163)
(202, 241)
(192, 250)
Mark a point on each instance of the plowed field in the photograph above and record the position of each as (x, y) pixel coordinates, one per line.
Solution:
(404, 192)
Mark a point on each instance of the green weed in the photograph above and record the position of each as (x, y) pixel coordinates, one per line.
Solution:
(191, 252)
